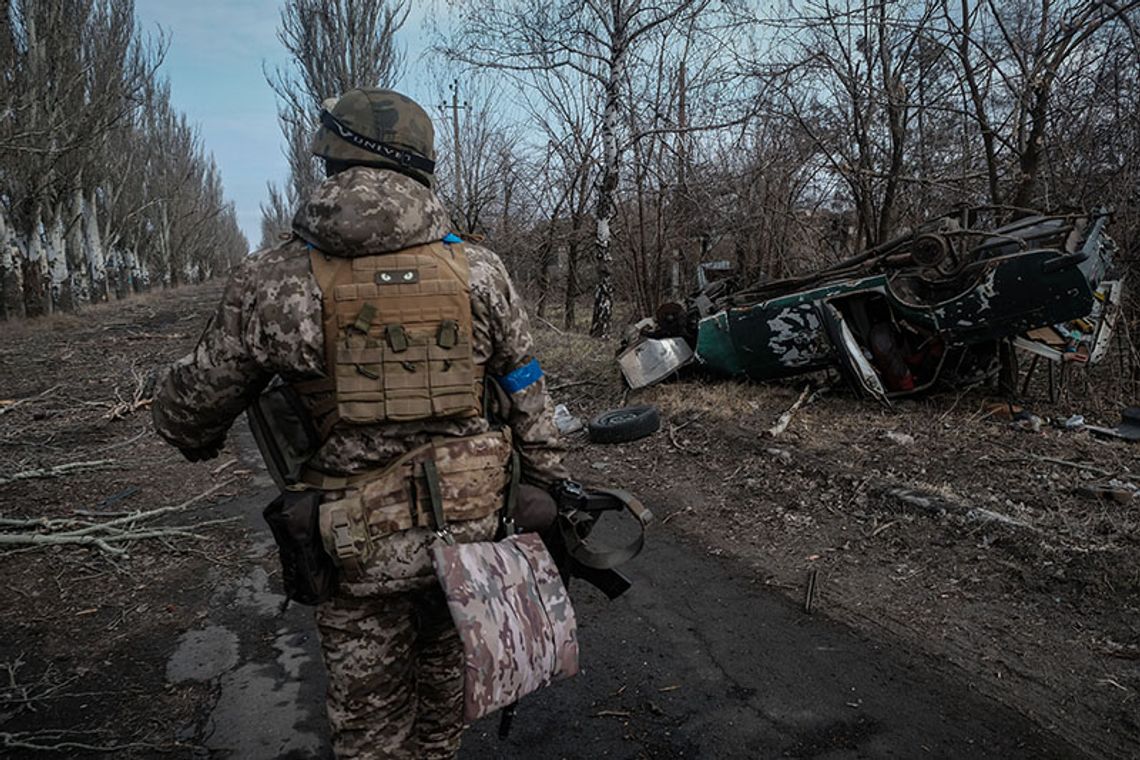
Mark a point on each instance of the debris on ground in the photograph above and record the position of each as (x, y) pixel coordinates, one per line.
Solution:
(626, 424)
(1127, 430)
(944, 304)
(1073, 422)
(1113, 490)
(1027, 420)
(902, 439)
(566, 422)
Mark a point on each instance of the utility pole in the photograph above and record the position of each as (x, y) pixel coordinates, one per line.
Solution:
(455, 109)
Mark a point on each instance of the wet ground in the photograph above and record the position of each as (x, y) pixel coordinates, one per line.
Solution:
(695, 661)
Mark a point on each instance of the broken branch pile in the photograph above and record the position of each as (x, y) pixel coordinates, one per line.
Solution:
(140, 399)
(110, 536)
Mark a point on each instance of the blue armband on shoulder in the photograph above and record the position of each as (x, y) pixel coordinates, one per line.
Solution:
(522, 377)
(451, 238)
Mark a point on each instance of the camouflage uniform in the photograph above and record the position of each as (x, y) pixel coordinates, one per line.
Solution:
(392, 653)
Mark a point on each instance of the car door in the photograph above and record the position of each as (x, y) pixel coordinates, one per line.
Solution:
(852, 362)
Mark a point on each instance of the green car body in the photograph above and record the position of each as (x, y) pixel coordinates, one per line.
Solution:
(1039, 272)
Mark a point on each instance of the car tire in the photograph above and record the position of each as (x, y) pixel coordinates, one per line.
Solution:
(626, 424)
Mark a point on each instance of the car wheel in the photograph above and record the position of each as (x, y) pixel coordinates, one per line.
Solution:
(625, 424)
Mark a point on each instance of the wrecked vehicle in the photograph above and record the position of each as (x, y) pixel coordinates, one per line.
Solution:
(932, 306)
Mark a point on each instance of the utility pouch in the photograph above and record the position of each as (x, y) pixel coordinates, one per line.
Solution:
(284, 432)
(513, 615)
(308, 572)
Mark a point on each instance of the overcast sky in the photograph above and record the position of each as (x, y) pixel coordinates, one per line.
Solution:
(214, 64)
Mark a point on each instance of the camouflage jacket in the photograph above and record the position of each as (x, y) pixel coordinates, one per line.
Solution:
(269, 323)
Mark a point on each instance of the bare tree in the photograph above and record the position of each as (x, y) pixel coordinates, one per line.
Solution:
(87, 125)
(597, 41)
(333, 46)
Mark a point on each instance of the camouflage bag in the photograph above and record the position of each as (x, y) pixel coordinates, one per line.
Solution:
(514, 618)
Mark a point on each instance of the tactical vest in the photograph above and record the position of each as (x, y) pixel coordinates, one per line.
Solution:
(398, 348)
(398, 335)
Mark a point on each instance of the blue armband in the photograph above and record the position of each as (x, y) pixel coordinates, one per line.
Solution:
(522, 377)
(451, 238)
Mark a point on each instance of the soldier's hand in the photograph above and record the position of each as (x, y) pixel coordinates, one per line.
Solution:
(202, 453)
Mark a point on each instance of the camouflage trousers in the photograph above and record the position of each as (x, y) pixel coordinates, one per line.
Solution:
(395, 668)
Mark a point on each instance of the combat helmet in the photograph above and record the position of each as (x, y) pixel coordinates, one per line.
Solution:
(370, 126)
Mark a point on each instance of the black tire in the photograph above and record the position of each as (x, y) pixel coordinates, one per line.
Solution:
(626, 424)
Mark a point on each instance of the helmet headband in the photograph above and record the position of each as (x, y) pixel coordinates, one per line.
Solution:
(385, 150)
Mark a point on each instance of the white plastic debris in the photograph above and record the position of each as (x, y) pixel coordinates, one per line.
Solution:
(564, 421)
(902, 439)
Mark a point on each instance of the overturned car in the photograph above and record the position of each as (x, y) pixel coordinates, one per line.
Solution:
(930, 307)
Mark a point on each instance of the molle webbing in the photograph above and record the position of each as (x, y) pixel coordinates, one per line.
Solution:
(398, 334)
(444, 481)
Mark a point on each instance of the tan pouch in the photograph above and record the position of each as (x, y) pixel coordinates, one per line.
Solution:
(345, 534)
(473, 475)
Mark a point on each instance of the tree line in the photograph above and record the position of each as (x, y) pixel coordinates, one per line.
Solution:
(105, 188)
(614, 146)
(785, 136)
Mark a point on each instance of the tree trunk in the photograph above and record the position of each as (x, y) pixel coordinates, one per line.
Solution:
(36, 300)
(96, 254)
(603, 255)
(55, 250)
(11, 272)
(1029, 162)
(570, 315)
(78, 276)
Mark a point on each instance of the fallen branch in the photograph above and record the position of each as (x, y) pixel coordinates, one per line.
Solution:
(548, 324)
(155, 336)
(673, 439)
(58, 470)
(16, 404)
(674, 429)
(136, 516)
(26, 741)
(104, 535)
(1078, 466)
(121, 444)
(144, 385)
(613, 714)
(786, 418)
(939, 505)
(575, 384)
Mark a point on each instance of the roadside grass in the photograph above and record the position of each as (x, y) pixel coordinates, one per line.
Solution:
(720, 400)
(574, 355)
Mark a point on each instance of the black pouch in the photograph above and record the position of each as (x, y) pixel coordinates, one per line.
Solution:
(308, 572)
(283, 431)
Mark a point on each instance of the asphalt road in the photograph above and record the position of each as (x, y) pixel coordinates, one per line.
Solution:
(694, 661)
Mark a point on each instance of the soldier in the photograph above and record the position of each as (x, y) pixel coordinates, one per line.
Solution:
(385, 324)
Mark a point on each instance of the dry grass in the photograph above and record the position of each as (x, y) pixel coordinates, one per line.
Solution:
(572, 356)
(721, 400)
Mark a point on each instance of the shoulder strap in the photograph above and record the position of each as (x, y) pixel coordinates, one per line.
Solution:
(574, 528)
